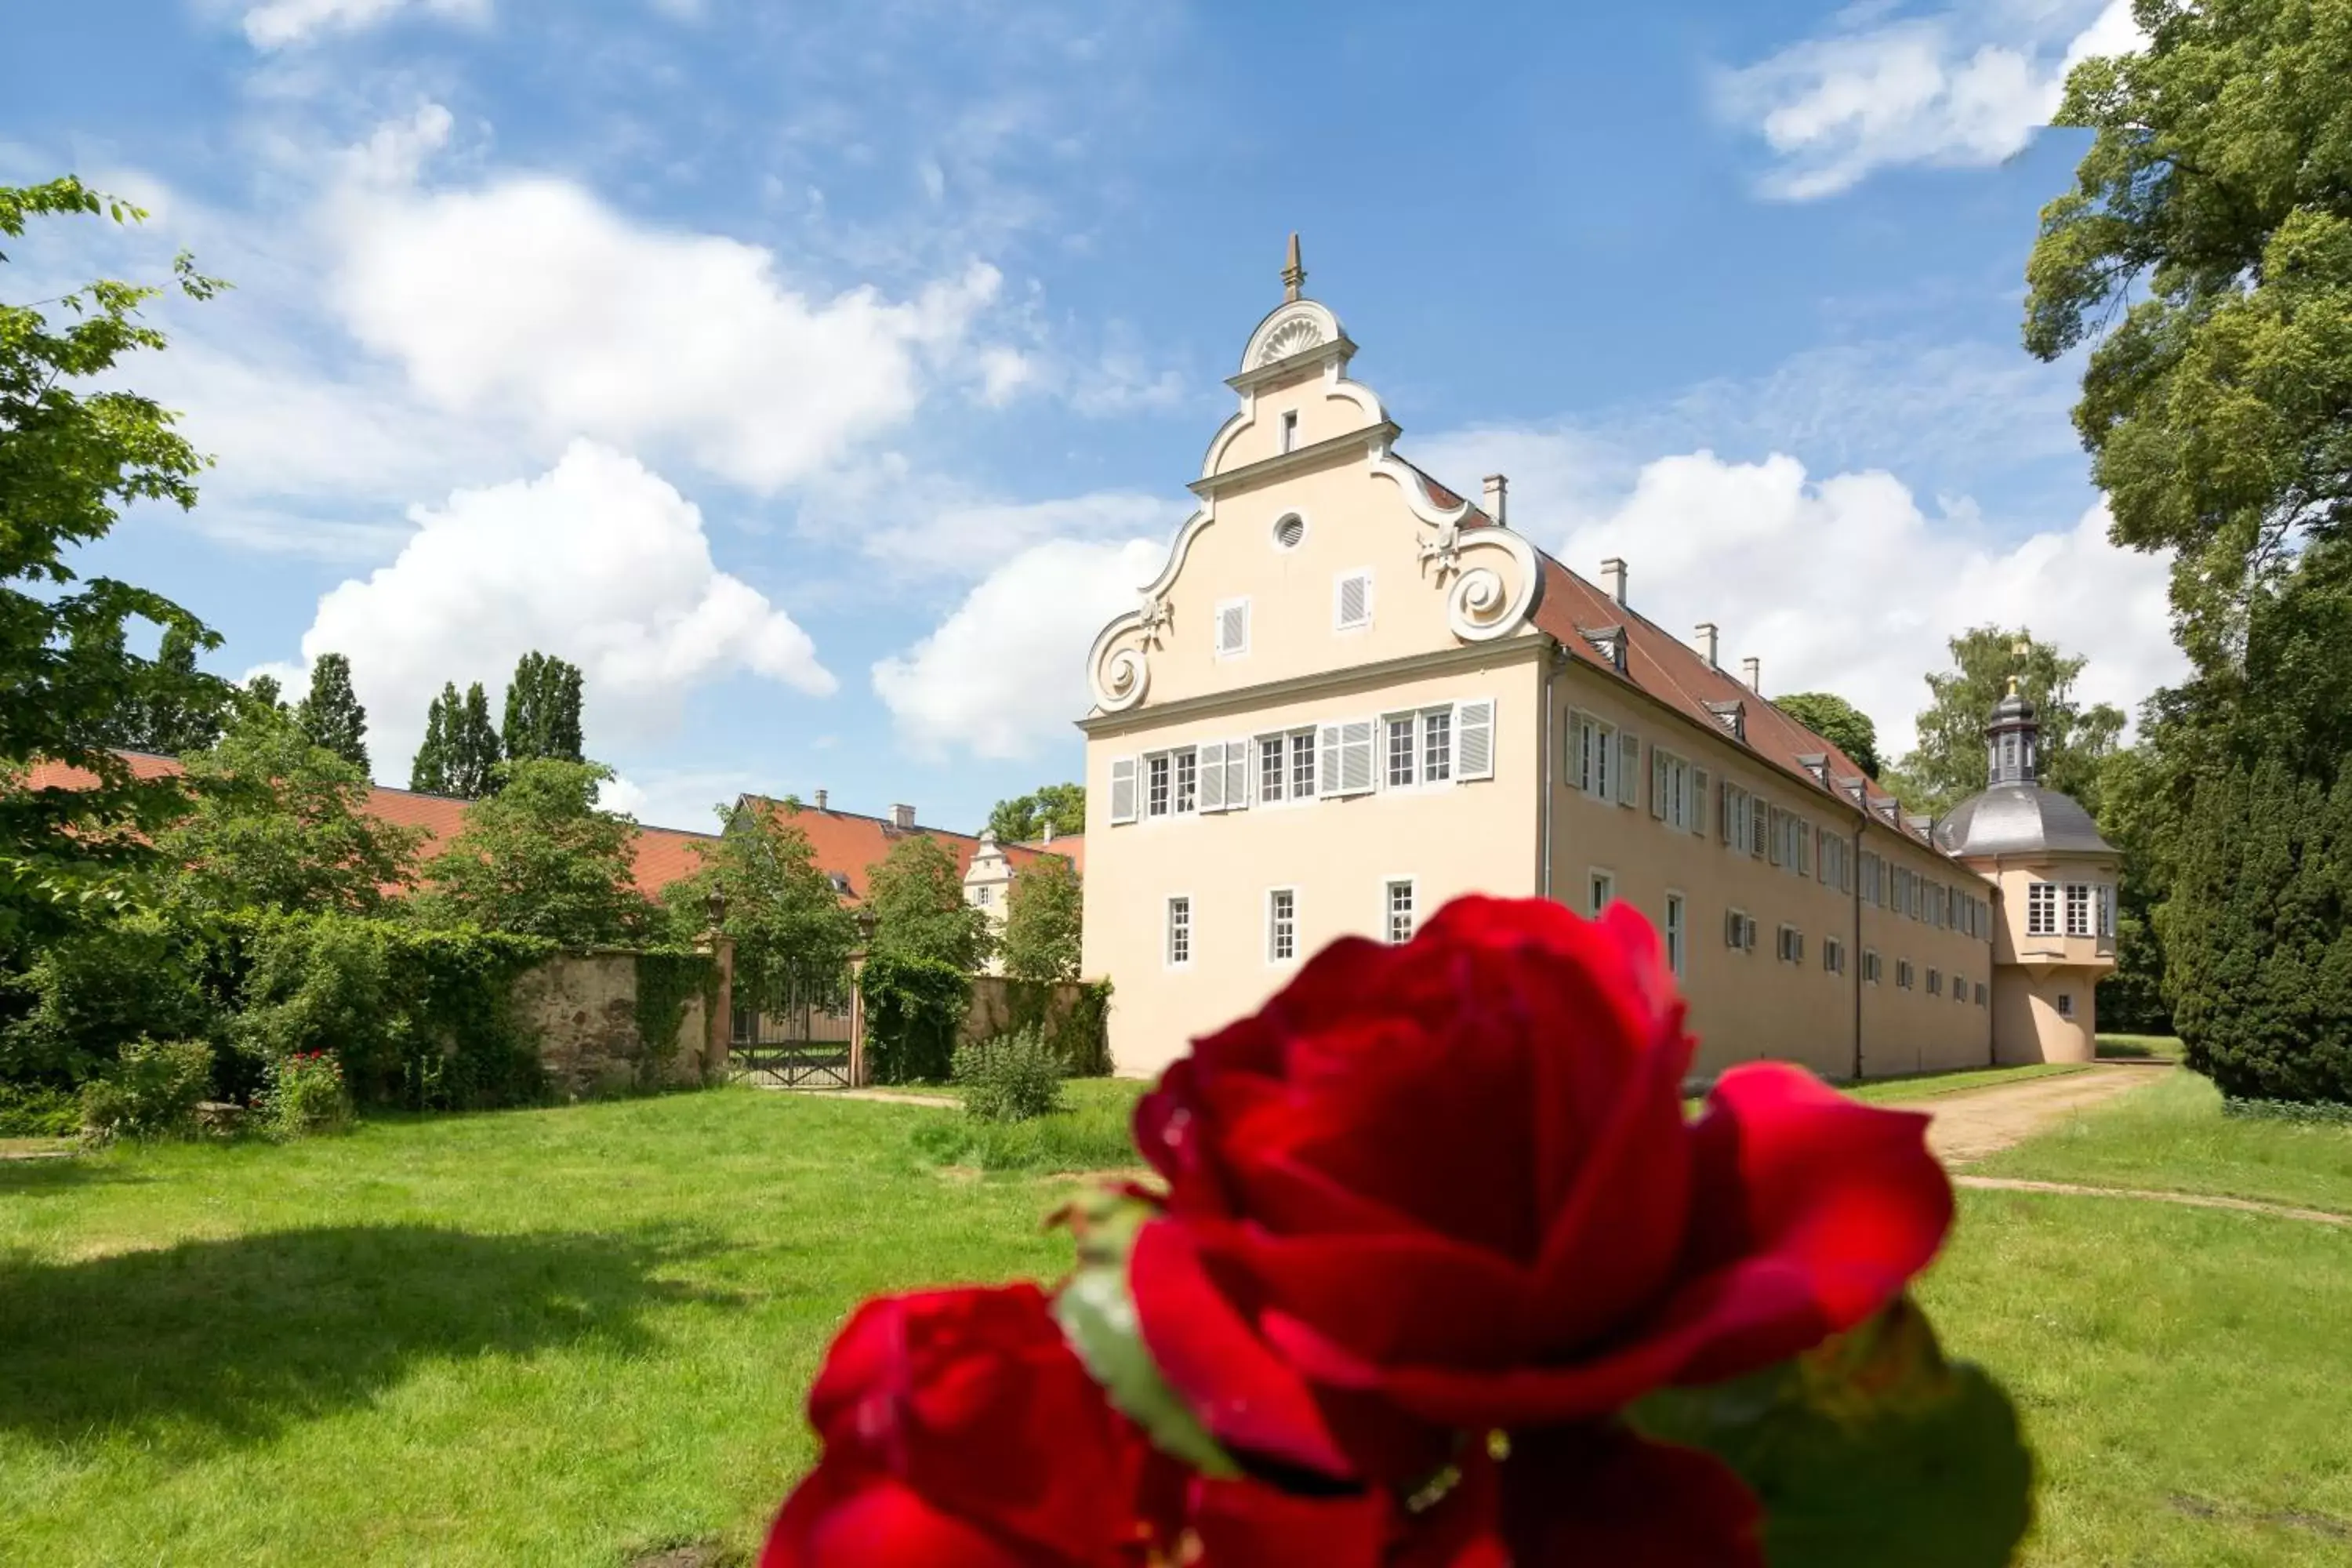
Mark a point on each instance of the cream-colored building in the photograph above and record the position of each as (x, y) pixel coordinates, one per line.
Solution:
(1352, 694)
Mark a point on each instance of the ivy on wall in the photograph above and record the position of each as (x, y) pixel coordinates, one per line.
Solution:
(1077, 1032)
(914, 1007)
(667, 979)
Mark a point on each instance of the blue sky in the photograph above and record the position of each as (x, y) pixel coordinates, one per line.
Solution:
(819, 377)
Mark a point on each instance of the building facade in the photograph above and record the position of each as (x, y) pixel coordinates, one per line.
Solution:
(1352, 694)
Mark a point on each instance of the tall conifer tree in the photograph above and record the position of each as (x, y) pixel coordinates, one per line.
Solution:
(429, 773)
(331, 715)
(543, 709)
(474, 750)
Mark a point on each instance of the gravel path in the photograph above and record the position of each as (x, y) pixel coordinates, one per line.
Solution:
(1973, 1122)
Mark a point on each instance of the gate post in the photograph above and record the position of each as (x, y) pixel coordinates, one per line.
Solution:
(718, 1031)
(856, 1020)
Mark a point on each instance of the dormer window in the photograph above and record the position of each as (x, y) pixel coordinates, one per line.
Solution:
(1290, 430)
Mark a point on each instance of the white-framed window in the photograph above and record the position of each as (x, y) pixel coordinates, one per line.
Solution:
(1593, 756)
(1904, 973)
(2079, 917)
(1872, 893)
(1670, 799)
(1601, 890)
(1834, 955)
(1273, 768)
(1871, 968)
(2042, 909)
(1281, 925)
(1397, 907)
(1351, 600)
(1677, 933)
(1740, 930)
(1792, 946)
(1289, 531)
(1934, 982)
(1698, 797)
(1302, 764)
(1437, 745)
(1122, 789)
(1837, 860)
(1629, 768)
(1224, 768)
(2106, 908)
(1981, 992)
(1347, 747)
(1403, 750)
(1179, 931)
(2065, 1004)
(1188, 780)
(1744, 820)
(1289, 429)
(1959, 991)
(1159, 773)
(1233, 628)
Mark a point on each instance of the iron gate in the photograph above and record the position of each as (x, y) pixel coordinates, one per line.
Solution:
(797, 1028)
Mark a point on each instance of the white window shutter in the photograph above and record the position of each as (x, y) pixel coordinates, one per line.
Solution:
(1233, 628)
(1237, 775)
(1329, 772)
(1657, 783)
(1629, 768)
(1122, 789)
(1352, 600)
(1473, 740)
(1212, 776)
(1698, 801)
(1355, 738)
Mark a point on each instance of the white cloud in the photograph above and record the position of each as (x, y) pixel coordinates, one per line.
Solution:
(598, 560)
(1007, 670)
(1844, 584)
(966, 539)
(679, 797)
(276, 23)
(1967, 87)
(527, 299)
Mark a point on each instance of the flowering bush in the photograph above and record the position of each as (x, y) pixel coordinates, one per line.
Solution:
(304, 1093)
(1438, 1273)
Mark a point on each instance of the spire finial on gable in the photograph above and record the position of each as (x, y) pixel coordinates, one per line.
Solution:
(1294, 276)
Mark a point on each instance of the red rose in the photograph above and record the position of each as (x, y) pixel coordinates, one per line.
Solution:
(960, 1431)
(1449, 1186)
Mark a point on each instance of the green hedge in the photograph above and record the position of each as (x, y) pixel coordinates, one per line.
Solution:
(914, 1007)
(1080, 1037)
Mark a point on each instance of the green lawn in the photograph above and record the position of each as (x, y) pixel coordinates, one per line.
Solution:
(1926, 1086)
(2141, 1048)
(574, 1337)
(2172, 1136)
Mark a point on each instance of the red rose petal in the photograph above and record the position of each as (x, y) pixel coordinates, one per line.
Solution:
(1582, 1497)
(842, 1517)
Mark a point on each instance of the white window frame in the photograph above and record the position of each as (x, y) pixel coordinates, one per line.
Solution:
(1593, 755)
(1224, 607)
(2082, 917)
(1134, 781)
(1788, 944)
(1160, 776)
(1391, 724)
(1935, 981)
(1833, 954)
(1670, 789)
(1435, 727)
(2065, 1004)
(1305, 746)
(1740, 930)
(1905, 976)
(1180, 803)
(1276, 921)
(1279, 744)
(1171, 928)
(1600, 890)
(1334, 743)
(1389, 887)
(2041, 908)
(1873, 968)
(1677, 930)
(1339, 622)
(1629, 769)
(1474, 715)
(1289, 430)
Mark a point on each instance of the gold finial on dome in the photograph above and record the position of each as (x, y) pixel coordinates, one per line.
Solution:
(1293, 275)
(2021, 651)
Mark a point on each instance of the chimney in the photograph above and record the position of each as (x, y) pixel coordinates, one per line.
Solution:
(1707, 641)
(1613, 574)
(1751, 675)
(1049, 834)
(902, 818)
(1497, 487)
(820, 800)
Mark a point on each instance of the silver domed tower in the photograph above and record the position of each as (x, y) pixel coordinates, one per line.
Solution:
(2055, 939)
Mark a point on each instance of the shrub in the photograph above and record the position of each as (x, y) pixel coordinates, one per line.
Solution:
(38, 1110)
(913, 1008)
(152, 1091)
(303, 1094)
(1013, 1077)
(87, 996)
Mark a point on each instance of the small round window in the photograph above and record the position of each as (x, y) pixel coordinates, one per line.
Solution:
(1289, 531)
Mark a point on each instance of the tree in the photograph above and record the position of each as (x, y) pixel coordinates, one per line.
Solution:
(1043, 925)
(474, 749)
(1948, 763)
(2207, 248)
(331, 715)
(1839, 722)
(281, 824)
(1024, 817)
(184, 710)
(543, 709)
(2140, 813)
(70, 458)
(428, 771)
(783, 913)
(263, 692)
(538, 858)
(916, 897)
(2259, 932)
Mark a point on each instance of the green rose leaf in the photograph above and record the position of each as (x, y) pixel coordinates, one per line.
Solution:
(1867, 1450)
(1096, 1312)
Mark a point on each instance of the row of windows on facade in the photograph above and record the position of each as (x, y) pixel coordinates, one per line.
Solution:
(2090, 909)
(1351, 600)
(1399, 913)
(1604, 761)
(1447, 744)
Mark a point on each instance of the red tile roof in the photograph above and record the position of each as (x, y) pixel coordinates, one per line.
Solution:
(664, 855)
(848, 844)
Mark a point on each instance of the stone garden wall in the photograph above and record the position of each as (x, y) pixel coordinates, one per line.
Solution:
(584, 1009)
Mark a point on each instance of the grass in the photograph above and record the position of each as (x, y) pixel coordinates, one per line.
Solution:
(2171, 1136)
(1091, 1134)
(1927, 1086)
(574, 1337)
(2141, 1048)
(559, 1337)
